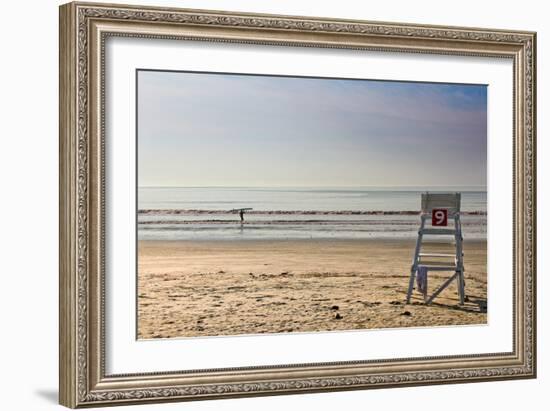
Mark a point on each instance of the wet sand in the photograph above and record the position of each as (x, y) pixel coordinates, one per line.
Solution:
(208, 288)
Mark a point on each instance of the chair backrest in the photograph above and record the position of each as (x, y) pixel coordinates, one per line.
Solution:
(449, 201)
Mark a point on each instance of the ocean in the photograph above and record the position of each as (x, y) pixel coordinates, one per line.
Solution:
(205, 213)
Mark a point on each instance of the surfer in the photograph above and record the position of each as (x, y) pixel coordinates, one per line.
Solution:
(241, 212)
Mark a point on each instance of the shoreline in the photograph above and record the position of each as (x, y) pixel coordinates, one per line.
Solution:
(178, 211)
(302, 240)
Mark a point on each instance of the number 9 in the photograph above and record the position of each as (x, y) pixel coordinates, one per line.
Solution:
(439, 217)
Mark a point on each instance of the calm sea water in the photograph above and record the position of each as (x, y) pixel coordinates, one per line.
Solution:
(205, 213)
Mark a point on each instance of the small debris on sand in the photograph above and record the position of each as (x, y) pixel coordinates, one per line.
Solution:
(330, 286)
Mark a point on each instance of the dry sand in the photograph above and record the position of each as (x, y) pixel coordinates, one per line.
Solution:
(206, 288)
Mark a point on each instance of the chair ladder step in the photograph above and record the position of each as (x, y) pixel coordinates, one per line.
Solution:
(437, 231)
(440, 267)
(436, 255)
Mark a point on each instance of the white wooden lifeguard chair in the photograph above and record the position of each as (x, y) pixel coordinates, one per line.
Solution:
(439, 209)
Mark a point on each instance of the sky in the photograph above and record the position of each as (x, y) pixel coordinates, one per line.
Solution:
(204, 129)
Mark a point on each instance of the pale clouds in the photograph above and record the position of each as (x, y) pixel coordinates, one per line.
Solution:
(200, 129)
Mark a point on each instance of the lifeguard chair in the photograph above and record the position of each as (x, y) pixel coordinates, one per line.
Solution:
(438, 210)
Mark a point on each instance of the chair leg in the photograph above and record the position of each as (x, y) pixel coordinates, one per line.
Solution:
(461, 286)
(426, 289)
(416, 258)
(411, 285)
(442, 287)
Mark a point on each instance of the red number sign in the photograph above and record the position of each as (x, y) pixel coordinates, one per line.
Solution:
(439, 217)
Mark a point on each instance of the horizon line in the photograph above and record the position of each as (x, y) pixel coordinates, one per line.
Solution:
(484, 187)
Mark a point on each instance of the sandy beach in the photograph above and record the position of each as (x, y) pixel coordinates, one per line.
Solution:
(208, 288)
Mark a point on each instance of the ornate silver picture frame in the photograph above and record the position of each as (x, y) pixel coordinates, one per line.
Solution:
(84, 30)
